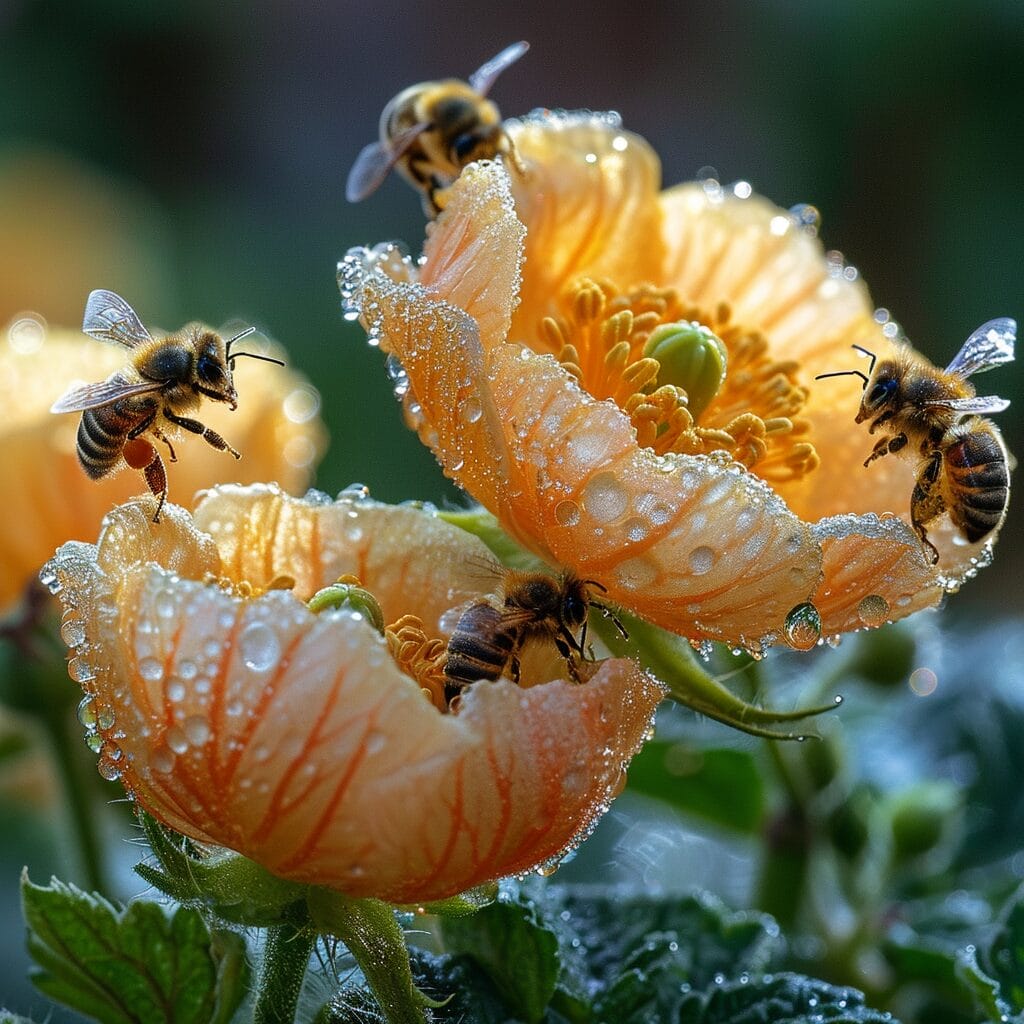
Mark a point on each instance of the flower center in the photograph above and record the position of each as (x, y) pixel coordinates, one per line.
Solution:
(420, 657)
(690, 379)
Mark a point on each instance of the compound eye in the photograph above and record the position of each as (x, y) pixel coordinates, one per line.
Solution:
(881, 392)
(464, 145)
(575, 609)
(210, 370)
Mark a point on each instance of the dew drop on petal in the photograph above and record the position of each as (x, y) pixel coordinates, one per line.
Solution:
(151, 670)
(873, 610)
(259, 647)
(162, 760)
(177, 740)
(176, 692)
(605, 498)
(105, 717)
(567, 513)
(702, 559)
(72, 632)
(197, 729)
(87, 712)
(80, 670)
(165, 605)
(802, 628)
(94, 741)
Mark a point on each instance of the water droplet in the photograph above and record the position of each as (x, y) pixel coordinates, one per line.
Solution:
(605, 498)
(80, 670)
(354, 492)
(151, 670)
(165, 605)
(259, 647)
(636, 530)
(108, 769)
(176, 692)
(187, 670)
(197, 729)
(873, 610)
(177, 740)
(72, 632)
(807, 217)
(802, 628)
(94, 741)
(105, 717)
(567, 513)
(87, 712)
(162, 760)
(702, 559)
(471, 410)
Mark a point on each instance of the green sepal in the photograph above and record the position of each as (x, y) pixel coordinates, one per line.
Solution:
(225, 883)
(671, 659)
(465, 903)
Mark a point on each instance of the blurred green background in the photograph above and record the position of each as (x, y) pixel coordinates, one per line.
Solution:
(193, 157)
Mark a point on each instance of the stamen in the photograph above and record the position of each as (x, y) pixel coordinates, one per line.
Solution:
(419, 656)
(690, 379)
(246, 588)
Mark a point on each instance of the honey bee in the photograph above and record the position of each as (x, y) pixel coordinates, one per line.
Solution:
(964, 464)
(532, 606)
(430, 131)
(165, 378)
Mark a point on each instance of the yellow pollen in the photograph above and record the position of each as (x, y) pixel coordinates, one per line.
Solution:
(419, 656)
(599, 338)
(246, 588)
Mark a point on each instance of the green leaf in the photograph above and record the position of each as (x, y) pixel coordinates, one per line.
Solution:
(711, 940)
(721, 786)
(6, 1017)
(136, 964)
(778, 999)
(983, 988)
(519, 954)
(651, 985)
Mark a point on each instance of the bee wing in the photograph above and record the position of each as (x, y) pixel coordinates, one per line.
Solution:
(483, 78)
(988, 346)
(109, 318)
(375, 161)
(92, 396)
(979, 404)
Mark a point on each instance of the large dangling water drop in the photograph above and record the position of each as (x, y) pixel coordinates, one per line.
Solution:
(802, 628)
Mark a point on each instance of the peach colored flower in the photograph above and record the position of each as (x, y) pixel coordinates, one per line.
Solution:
(524, 340)
(239, 717)
(48, 499)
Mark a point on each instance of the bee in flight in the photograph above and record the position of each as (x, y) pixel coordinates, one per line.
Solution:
(532, 606)
(964, 465)
(164, 378)
(430, 131)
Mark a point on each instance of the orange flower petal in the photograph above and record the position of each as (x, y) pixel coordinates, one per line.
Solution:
(294, 739)
(589, 198)
(49, 499)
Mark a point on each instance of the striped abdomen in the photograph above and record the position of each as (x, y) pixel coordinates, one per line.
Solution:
(978, 480)
(103, 431)
(481, 646)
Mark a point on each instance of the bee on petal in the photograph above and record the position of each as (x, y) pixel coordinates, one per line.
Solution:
(164, 378)
(430, 131)
(532, 606)
(935, 415)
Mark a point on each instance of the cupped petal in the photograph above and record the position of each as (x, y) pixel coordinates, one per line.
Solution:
(588, 194)
(813, 308)
(49, 499)
(294, 738)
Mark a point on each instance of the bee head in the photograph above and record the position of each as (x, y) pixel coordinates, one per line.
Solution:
(881, 390)
(213, 372)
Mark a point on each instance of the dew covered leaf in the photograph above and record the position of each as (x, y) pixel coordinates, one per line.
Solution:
(135, 964)
(778, 999)
(516, 950)
(712, 941)
(721, 786)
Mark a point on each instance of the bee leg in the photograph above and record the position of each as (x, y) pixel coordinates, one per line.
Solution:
(156, 479)
(886, 446)
(162, 437)
(926, 503)
(211, 437)
(566, 652)
(514, 668)
(615, 620)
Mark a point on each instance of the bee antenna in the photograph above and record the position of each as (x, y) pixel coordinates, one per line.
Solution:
(594, 583)
(869, 354)
(846, 373)
(253, 355)
(238, 337)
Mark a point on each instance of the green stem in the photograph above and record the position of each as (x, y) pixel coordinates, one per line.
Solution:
(372, 935)
(285, 960)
